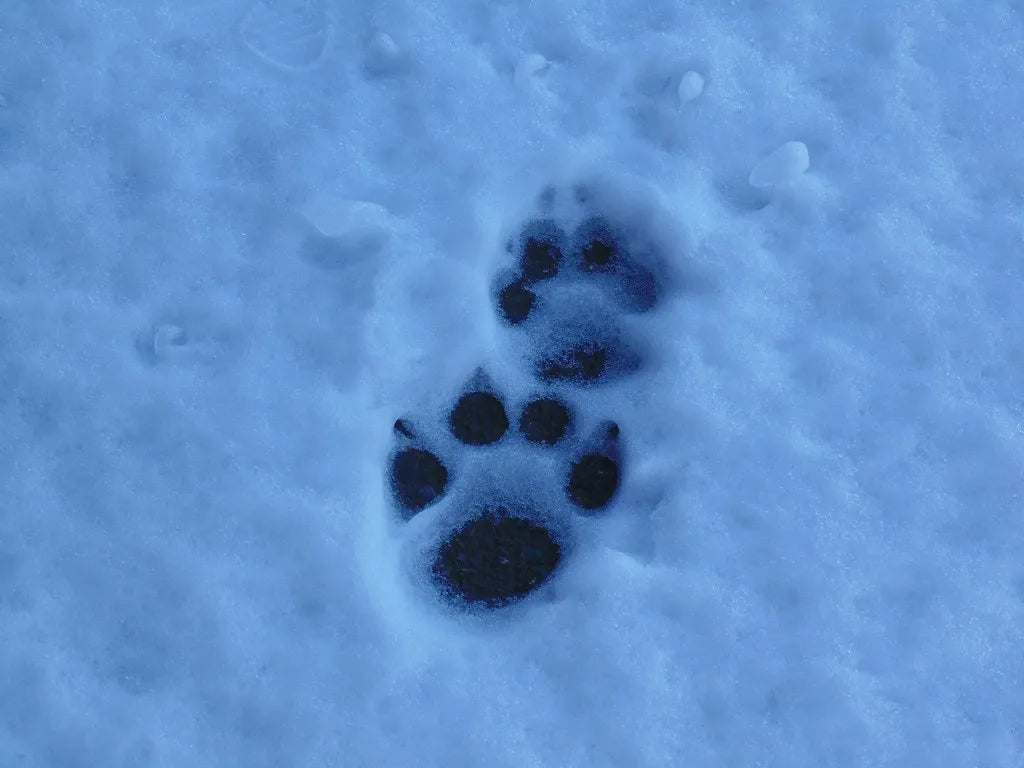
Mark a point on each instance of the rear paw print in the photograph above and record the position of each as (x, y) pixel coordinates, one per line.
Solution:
(501, 509)
(571, 289)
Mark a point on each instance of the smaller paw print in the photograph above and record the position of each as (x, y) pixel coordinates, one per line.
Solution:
(570, 288)
(503, 506)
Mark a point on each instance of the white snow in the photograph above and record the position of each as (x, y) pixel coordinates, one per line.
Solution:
(816, 555)
(384, 46)
(353, 221)
(293, 35)
(691, 85)
(529, 66)
(783, 166)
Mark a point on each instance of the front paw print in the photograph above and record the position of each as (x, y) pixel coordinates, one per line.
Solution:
(502, 507)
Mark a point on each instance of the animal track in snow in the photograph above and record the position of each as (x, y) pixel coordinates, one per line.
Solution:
(570, 288)
(498, 493)
(500, 542)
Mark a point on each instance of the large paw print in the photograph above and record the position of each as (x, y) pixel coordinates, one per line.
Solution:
(502, 506)
(569, 291)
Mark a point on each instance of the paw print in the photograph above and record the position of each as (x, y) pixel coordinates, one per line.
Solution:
(569, 291)
(503, 527)
(496, 496)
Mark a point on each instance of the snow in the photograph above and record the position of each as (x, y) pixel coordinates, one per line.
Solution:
(783, 166)
(530, 66)
(241, 239)
(691, 85)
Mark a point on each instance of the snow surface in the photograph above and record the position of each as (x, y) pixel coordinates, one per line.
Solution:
(816, 555)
